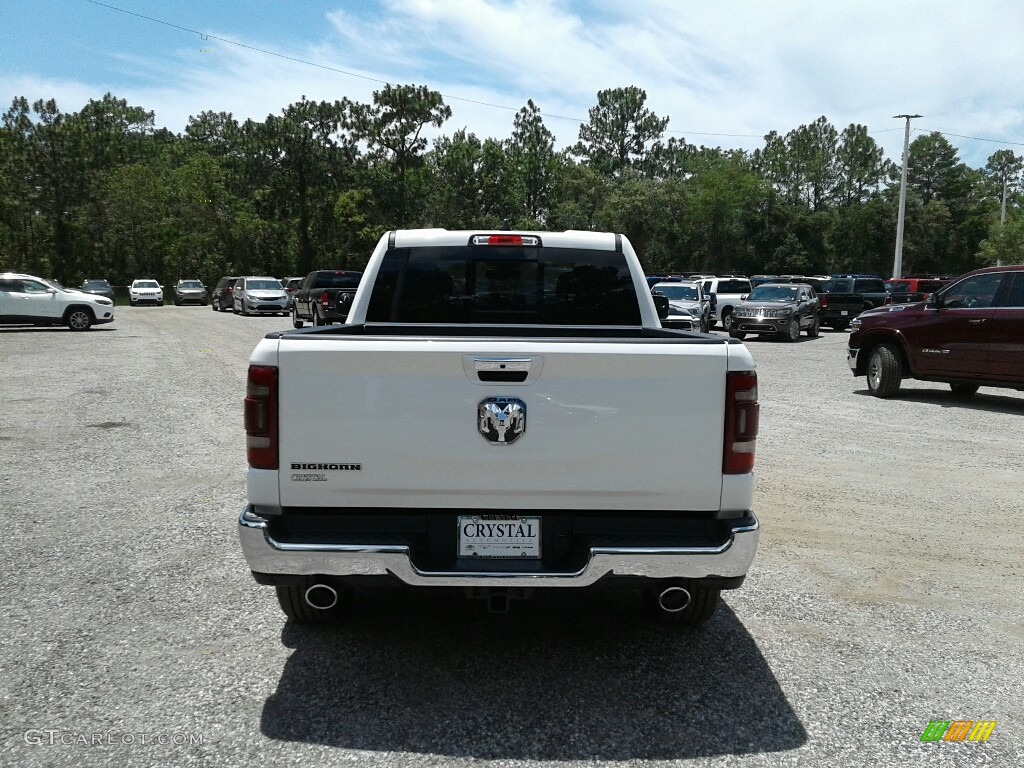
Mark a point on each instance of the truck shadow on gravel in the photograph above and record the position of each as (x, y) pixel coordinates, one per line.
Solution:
(562, 676)
(982, 401)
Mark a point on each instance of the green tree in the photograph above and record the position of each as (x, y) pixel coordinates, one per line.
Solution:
(307, 153)
(393, 129)
(620, 131)
(1003, 171)
(722, 197)
(646, 211)
(1005, 245)
(862, 166)
(947, 215)
(579, 193)
(456, 165)
(21, 228)
(934, 170)
(531, 151)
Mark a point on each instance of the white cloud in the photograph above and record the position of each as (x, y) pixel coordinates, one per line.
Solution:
(741, 67)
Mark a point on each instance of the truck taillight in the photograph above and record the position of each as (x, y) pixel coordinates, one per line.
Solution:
(261, 417)
(324, 299)
(822, 302)
(741, 415)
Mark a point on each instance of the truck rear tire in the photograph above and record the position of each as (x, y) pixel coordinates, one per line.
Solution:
(884, 371)
(296, 320)
(701, 606)
(292, 599)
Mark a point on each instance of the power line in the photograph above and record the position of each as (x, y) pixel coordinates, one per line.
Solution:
(336, 70)
(206, 36)
(978, 138)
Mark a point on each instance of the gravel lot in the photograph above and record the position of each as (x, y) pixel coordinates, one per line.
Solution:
(887, 591)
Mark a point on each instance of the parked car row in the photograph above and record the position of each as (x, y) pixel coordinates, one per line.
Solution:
(842, 297)
(723, 292)
(321, 297)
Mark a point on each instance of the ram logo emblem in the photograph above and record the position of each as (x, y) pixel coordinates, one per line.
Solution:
(502, 420)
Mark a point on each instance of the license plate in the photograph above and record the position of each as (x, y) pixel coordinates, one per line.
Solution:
(499, 536)
(843, 312)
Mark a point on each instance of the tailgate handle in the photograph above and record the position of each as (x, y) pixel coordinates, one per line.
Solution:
(502, 369)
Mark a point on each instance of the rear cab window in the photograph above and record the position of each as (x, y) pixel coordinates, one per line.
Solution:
(338, 279)
(733, 286)
(869, 285)
(486, 284)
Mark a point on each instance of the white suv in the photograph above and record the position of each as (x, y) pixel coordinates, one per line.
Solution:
(146, 290)
(28, 300)
(729, 291)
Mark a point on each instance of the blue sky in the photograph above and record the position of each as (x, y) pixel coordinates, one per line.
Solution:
(725, 72)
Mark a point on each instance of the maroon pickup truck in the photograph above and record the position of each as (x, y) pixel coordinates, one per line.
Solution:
(324, 296)
(968, 334)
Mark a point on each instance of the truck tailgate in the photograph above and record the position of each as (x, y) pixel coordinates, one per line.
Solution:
(393, 422)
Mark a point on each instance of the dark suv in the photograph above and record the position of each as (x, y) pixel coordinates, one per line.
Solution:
(222, 299)
(98, 287)
(968, 334)
(777, 309)
(186, 291)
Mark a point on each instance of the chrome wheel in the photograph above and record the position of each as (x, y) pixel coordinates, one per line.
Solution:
(885, 371)
(874, 371)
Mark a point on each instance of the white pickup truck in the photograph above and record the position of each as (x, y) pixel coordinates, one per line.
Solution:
(500, 412)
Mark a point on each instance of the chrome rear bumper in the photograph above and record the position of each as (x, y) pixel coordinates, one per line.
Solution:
(263, 554)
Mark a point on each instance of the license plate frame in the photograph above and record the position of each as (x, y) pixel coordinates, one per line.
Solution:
(500, 541)
(843, 312)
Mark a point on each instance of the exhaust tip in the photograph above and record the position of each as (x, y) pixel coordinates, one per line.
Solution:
(673, 599)
(321, 597)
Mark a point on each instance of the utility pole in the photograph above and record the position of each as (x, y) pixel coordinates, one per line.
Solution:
(897, 266)
(1002, 215)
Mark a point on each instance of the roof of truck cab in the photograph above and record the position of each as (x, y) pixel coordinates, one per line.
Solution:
(412, 238)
